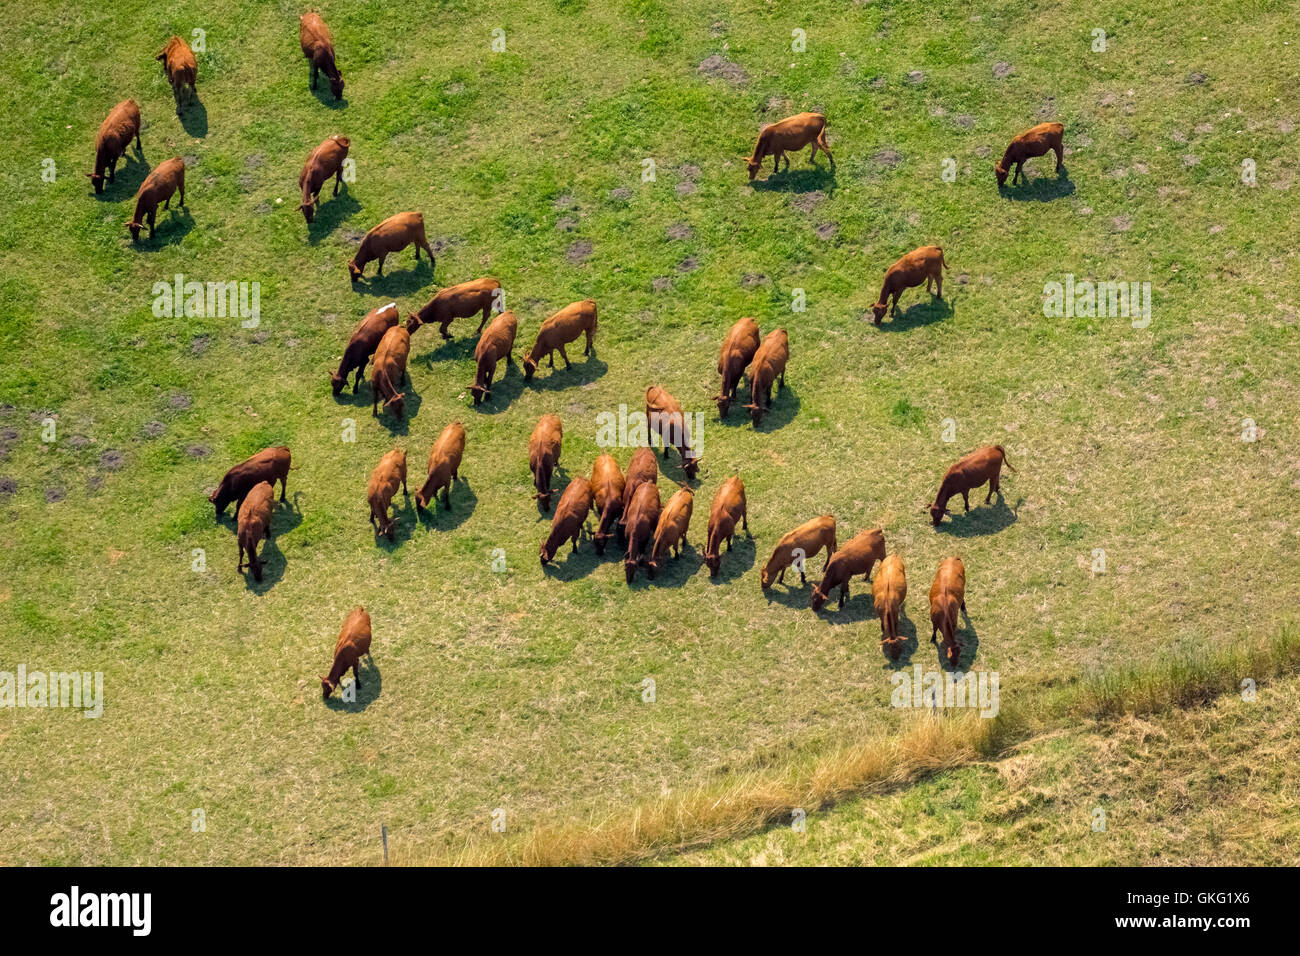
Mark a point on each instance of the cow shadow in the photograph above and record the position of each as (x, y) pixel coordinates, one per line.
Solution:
(404, 522)
(395, 285)
(907, 631)
(132, 168)
(737, 561)
(323, 95)
(454, 349)
(785, 406)
(860, 606)
(504, 392)
(982, 519)
(194, 118)
(803, 178)
(332, 211)
(366, 694)
(437, 518)
(919, 315)
(171, 226)
(1040, 188)
(568, 565)
(674, 572)
(412, 402)
(583, 372)
(968, 639)
(792, 594)
(285, 517)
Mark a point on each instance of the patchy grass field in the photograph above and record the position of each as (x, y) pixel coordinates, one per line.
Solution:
(522, 690)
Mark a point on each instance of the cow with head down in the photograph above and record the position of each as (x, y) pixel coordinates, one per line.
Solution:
(734, 358)
(115, 134)
(981, 465)
(326, 160)
(728, 507)
(666, 419)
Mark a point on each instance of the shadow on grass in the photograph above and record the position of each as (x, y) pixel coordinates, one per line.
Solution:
(674, 572)
(395, 285)
(907, 631)
(967, 640)
(404, 522)
(454, 349)
(323, 94)
(583, 372)
(412, 403)
(1039, 189)
(919, 315)
(463, 502)
(367, 692)
(131, 172)
(504, 391)
(332, 211)
(171, 226)
(284, 518)
(736, 561)
(570, 565)
(982, 519)
(194, 118)
(859, 607)
(785, 406)
(799, 179)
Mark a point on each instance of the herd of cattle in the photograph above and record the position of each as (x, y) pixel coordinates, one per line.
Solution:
(626, 505)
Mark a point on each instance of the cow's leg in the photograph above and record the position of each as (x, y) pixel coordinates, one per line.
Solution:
(138, 145)
(284, 486)
(487, 310)
(587, 351)
(1060, 156)
(167, 203)
(153, 218)
(564, 356)
(240, 566)
(844, 594)
(551, 357)
(112, 171)
(780, 578)
(1020, 168)
(933, 631)
(965, 496)
(315, 71)
(381, 263)
(812, 159)
(938, 282)
(361, 374)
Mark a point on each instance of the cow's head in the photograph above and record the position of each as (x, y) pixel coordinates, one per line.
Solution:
(220, 497)
(337, 382)
(396, 405)
(878, 311)
(530, 366)
(326, 688)
(135, 228)
(954, 652)
(755, 412)
(724, 404)
(894, 647)
(546, 553)
(97, 180)
(713, 560)
(766, 576)
(308, 210)
(818, 597)
(936, 514)
(1000, 172)
(336, 85)
(479, 392)
(544, 499)
(412, 322)
(691, 464)
(753, 166)
(353, 271)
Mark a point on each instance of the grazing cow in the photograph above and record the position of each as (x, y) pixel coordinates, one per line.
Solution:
(390, 372)
(180, 68)
(734, 358)
(326, 160)
(981, 465)
(789, 136)
(768, 367)
(667, 420)
(494, 344)
(797, 547)
(392, 235)
(570, 515)
(365, 339)
(269, 464)
(157, 188)
(115, 134)
(925, 264)
(642, 468)
(318, 48)
(544, 455)
(558, 331)
(858, 556)
(607, 486)
(458, 302)
(728, 507)
(670, 532)
(383, 484)
(641, 517)
(253, 523)
(889, 590)
(1036, 141)
(444, 466)
(352, 645)
(947, 594)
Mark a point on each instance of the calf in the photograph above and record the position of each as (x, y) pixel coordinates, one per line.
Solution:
(925, 264)
(667, 420)
(157, 188)
(115, 134)
(352, 645)
(180, 68)
(981, 465)
(269, 465)
(889, 591)
(858, 556)
(947, 595)
(254, 524)
(797, 547)
(494, 345)
(768, 367)
(641, 517)
(384, 480)
(458, 302)
(392, 235)
(318, 48)
(444, 466)
(642, 468)
(1036, 141)
(326, 160)
(365, 339)
(789, 136)
(737, 353)
(607, 486)
(558, 331)
(544, 455)
(670, 532)
(390, 372)
(570, 515)
(728, 507)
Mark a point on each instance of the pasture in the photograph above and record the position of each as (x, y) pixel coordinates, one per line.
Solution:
(522, 689)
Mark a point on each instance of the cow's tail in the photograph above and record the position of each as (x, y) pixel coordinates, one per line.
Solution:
(1004, 456)
(943, 262)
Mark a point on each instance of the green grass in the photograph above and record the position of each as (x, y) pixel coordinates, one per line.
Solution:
(522, 690)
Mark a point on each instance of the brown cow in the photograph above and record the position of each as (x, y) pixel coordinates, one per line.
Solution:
(495, 344)
(670, 532)
(365, 339)
(326, 160)
(796, 547)
(858, 556)
(115, 134)
(352, 645)
(384, 480)
(558, 331)
(157, 188)
(981, 465)
(768, 367)
(607, 486)
(889, 590)
(789, 136)
(318, 48)
(925, 264)
(1036, 141)
(458, 302)
(544, 455)
(392, 235)
(390, 372)
(666, 419)
(253, 523)
(734, 358)
(269, 465)
(180, 68)
(642, 468)
(570, 515)
(947, 594)
(728, 506)
(641, 517)
(444, 466)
